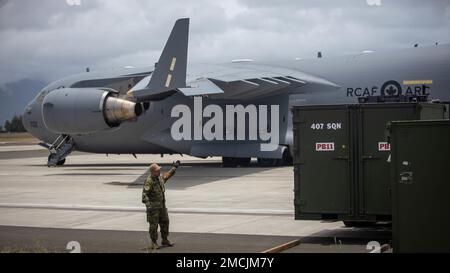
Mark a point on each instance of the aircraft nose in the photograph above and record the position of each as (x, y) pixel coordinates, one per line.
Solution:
(27, 117)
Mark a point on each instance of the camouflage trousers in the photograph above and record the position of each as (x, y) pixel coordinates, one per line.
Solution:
(157, 216)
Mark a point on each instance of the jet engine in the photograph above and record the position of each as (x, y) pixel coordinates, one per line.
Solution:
(86, 110)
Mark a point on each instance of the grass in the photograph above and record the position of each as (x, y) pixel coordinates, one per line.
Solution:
(17, 137)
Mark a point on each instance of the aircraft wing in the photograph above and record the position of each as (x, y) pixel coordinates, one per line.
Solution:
(250, 81)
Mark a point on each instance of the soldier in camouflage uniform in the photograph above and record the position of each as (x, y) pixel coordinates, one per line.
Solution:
(153, 197)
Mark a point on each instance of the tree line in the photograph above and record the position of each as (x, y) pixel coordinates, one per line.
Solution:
(14, 125)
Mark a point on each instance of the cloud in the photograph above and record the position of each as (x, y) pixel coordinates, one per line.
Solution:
(49, 39)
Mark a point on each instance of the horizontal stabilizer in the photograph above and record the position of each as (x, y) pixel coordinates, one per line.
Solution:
(201, 86)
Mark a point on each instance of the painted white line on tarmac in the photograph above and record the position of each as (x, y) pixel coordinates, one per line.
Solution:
(142, 209)
(21, 148)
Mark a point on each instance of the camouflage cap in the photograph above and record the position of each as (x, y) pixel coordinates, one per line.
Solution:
(154, 167)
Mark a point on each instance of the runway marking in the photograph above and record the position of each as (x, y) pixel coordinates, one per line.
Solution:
(142, 209)
(21, 148)
(282, 247)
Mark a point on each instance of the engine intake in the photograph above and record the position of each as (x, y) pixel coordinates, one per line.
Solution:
(86, 110)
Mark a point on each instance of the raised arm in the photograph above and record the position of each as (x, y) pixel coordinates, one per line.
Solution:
(171, 172)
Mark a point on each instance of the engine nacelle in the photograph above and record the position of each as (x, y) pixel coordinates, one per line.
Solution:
(86, 110)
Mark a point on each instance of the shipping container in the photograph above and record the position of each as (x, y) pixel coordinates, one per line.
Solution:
(340, 158)
(420, 186)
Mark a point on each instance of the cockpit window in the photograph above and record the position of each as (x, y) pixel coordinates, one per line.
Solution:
(40, 97)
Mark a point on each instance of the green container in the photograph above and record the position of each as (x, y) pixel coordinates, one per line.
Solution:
(340, 158)
(420, 186)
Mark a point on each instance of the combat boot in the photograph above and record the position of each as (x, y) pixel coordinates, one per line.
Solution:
(154, 245)
(167, 243)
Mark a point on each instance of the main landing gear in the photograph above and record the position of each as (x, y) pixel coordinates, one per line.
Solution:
(232, 162)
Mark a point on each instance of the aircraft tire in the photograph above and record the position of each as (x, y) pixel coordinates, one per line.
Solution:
(244, 162)
(269, 162)
(287, 158)
(61, 162)
(229, 162)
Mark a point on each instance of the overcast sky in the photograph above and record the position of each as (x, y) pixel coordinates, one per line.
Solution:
(49, 39)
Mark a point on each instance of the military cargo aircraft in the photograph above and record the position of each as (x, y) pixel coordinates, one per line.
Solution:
(238, 110)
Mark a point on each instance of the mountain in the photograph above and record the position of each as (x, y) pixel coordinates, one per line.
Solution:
(14, 96)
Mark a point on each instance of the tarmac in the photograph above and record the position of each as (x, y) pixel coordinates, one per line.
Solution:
(95, 200)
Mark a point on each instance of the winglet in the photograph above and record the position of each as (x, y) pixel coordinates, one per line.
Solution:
(170, 71)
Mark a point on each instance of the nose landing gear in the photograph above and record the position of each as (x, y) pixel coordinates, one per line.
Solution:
(52, 158)
(59, 150)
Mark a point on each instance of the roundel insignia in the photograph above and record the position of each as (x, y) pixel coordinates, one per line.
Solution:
(146, 187)
(391, 89)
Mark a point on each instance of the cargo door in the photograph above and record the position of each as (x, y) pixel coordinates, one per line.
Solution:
(373, 184)
(323, 167)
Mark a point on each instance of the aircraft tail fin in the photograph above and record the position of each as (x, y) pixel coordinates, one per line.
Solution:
(170, 71)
